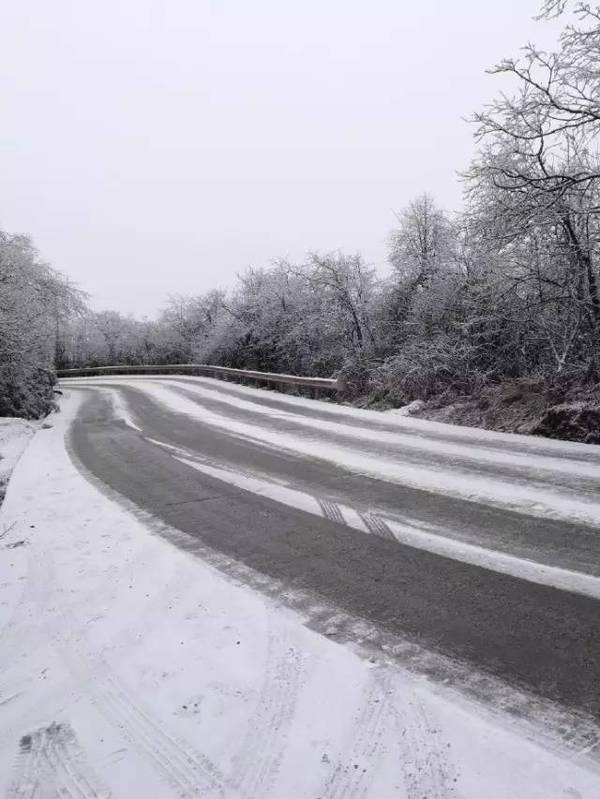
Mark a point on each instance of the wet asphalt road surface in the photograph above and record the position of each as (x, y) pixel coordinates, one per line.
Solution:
(535, 637)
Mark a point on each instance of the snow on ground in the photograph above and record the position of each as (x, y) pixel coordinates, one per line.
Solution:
(131, 668)
(15, 434)
(407, 410)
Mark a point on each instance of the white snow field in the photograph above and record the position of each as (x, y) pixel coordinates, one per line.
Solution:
(132, 668)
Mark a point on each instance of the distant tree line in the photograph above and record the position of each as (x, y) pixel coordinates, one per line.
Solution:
(508, 288)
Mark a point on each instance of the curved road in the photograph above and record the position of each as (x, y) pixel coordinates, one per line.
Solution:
(479, 551)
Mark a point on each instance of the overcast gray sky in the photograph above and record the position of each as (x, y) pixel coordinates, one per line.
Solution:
(160, 146)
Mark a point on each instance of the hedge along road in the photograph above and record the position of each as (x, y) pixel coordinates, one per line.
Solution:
(179, 450)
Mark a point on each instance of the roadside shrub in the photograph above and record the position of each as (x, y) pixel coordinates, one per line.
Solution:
(26, 393)
(426, 369)
(356, 374)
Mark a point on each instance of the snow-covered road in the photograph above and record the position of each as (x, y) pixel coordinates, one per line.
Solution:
(142, 655)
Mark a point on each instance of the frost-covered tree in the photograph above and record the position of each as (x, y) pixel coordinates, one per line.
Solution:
(533, 191)
(422, 243)
(35, 301)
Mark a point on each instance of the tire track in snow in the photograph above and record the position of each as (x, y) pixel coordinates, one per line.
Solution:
(356, 767)
(426, 772)
(26, 634)
(27, 777)
(188, 771)
(331, 511)
(259, 760)
(377, 526)
(18, 630)
(429, 538)
(426, 769)
(51, 763)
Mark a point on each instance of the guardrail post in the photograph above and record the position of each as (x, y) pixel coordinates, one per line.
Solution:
(341, 385)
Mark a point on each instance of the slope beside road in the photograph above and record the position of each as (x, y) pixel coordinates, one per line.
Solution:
(173, 656)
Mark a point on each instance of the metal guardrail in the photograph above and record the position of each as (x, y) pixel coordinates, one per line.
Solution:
(323, 383)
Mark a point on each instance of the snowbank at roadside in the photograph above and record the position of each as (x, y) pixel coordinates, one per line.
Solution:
(15, 434)
(407, 410)
(132, 668)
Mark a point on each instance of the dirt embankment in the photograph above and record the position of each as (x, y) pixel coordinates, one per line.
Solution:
(524, 406)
